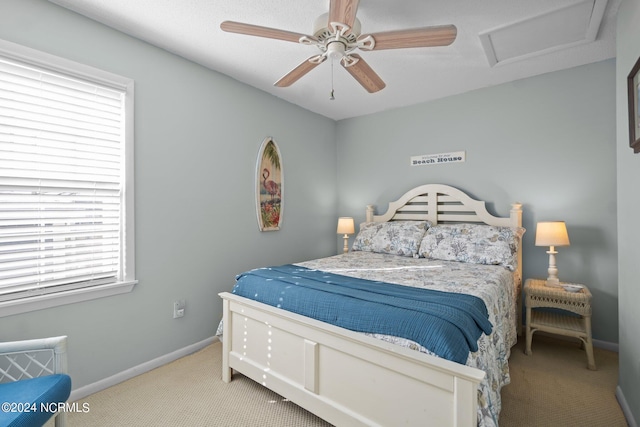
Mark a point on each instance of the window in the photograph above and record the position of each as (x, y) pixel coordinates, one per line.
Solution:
(66, 181)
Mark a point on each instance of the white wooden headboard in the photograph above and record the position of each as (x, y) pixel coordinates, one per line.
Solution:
(442, 203)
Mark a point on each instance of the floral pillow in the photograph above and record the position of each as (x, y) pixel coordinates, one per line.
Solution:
(473, 243)
(395, 237)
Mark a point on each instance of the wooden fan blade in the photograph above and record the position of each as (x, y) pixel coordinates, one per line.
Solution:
(364, 74)
(302, 69)
(343, 11)
(418, 37)
(256, 30)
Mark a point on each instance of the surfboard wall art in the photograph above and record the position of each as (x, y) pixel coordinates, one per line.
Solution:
(269, 188)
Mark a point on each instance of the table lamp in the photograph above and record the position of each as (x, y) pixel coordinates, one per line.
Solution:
(346, 227)
(552, 234)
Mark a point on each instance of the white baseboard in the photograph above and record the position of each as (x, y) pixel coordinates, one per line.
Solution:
(625, 408)
(139, 369)
(607, 345)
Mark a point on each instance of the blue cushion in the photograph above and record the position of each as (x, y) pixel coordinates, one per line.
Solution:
(26, 402)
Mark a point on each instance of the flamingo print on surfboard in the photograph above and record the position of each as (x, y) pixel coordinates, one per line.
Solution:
(269, 186)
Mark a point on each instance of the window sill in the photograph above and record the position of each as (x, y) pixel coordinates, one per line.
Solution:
(25, 305)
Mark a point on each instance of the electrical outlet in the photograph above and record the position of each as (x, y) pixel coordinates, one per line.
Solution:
(178, 308)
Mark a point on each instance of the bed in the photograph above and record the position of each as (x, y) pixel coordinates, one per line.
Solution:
(350, 377)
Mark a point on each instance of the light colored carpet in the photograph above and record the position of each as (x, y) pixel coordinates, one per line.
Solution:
(190, 392)
(550, 388)
(553, 387)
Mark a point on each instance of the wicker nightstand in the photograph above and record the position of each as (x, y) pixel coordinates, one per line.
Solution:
(538, 295)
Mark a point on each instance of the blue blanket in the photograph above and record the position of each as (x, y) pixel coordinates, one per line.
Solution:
(447, 324)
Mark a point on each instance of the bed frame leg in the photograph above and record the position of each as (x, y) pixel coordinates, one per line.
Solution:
(227, 372)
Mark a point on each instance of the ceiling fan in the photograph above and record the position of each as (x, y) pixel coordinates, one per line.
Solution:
(337, 35)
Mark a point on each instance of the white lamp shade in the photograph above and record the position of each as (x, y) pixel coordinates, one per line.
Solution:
(552, 233)
(346, 225)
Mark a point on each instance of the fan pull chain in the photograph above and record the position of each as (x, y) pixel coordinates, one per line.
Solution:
(331, 98)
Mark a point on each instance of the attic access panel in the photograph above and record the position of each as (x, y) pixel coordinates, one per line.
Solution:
(561, 28)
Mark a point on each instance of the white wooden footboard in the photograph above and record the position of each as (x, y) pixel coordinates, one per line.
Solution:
(343, 377)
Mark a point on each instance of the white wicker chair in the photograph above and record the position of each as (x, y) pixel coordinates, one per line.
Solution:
(20, 360)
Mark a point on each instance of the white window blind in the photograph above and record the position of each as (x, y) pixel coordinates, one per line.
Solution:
(61, 182)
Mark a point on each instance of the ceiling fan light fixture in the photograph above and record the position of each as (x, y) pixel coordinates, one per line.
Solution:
(336, 50)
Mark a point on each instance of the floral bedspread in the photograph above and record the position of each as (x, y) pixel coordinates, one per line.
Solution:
(493, 284)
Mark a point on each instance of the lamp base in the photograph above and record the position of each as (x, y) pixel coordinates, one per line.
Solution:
(552, 277)
(553, 282)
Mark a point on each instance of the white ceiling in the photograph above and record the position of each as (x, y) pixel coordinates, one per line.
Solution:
(191, 29)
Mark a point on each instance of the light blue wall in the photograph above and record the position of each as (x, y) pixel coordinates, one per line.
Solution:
(628, 52)
(197, 135)
(546, 141)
